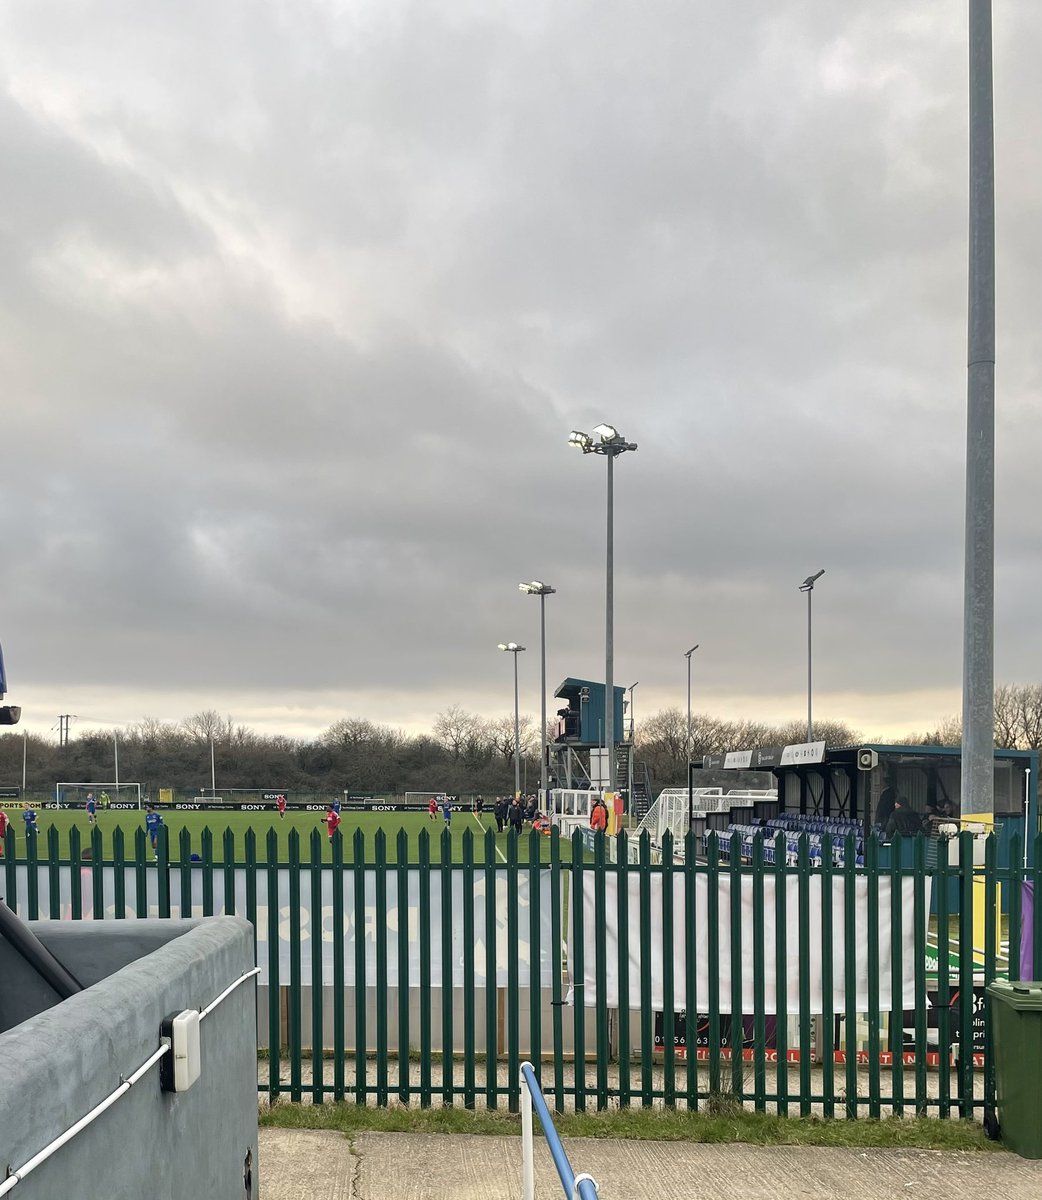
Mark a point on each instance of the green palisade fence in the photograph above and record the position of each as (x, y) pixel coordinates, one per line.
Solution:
(418, 981)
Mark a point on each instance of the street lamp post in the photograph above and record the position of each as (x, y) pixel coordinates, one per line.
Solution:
(633, 727)
(213, 771)
(687, 655)
(514, 649)
(542, 590)
(808, 586)
(611, 444)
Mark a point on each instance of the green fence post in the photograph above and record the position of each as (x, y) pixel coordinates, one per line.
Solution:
(669, 1049)
(781, 976)
(339, 983)
(944, 997)
(734, 881)
(53, 877)
(32, 889)
(535, 951)
(872, 919)
(557, 967)
(447, 991)
(97, 873)
(184, 851)
(1012, 877)
(897, 1074)
(75, 875)
(361, 982)
(382, 1071)
(759, 980)
(402, 879)
(690, 971)
(600, 962)
(491, 976)
(990, 971)
(828, 976)
(803, 944)
(295, 983)
(140, 874)
(424, 850)
(274, 984)
(11, 867)
(513, 978)
(228, 869)
(119, 874)
(647, 1030)
(470, 951)
(967, 896)
(713, 958)
(207, 871)
(162, 859)
(849, 975)
(318, 1080)
(250, 873)
(576, 900)
(919, 911)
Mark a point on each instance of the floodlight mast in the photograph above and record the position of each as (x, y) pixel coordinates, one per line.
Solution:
(808, 586)
(537, 588)
(514, 649)
(611, 444)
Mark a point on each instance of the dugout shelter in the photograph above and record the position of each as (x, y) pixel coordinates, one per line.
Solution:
(847, 784)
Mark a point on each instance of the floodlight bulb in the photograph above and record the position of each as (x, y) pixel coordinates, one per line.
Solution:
(607, 433)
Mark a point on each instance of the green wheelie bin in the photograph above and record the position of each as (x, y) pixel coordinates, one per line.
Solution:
(1016, 1011)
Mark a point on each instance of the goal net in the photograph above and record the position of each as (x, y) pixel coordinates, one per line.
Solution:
(74, 795)
(422, 799)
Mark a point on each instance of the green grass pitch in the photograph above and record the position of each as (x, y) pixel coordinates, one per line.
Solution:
(185, 833)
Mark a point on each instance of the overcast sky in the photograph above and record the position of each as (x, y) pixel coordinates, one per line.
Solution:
(301, 299)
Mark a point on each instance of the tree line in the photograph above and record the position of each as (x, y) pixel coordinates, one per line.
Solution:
(464, 753)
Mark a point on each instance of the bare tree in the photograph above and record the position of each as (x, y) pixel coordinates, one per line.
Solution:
(1007, 716)
(457, 730)
(1030, 715)
(207, 726)
(500, 734)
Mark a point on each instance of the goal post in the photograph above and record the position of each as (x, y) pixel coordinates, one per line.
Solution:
(421, 799)
(74, 795)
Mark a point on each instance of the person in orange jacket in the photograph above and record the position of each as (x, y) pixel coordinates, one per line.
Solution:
(599, 816)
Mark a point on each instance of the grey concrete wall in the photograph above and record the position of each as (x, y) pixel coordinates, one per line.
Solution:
(90, 950)
(60, 1063)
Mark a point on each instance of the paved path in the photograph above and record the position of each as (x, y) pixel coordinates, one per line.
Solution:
(316, 1165)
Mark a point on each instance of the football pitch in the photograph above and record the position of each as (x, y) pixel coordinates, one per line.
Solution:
(212, 834)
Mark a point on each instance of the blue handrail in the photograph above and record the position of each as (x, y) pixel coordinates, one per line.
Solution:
(582, 1187)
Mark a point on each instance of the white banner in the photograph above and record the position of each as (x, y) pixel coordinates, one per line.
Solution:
(386, 916)
(721, 966)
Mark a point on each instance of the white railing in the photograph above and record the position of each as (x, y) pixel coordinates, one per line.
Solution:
(576, 1187)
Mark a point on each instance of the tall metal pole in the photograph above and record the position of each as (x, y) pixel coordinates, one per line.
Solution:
(808, 586)
(609, 633)
(213, 770)
(517, 735)
(543, 782)
(24, 756)
(115, 758)
(810, 723)
(978, 680)
(687, 746)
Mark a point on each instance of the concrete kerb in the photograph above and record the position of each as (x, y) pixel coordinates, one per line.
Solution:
(329, 1166)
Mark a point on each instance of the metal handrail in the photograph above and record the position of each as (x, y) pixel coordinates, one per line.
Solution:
(576, 1187)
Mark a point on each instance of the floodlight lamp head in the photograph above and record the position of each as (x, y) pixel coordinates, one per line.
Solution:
(688, 653)
(513, 647)
(808, 584)
(537, 588)
(607, 433)
(581, 440)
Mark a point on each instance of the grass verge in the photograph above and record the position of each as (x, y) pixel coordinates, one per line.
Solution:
(641, 1125)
